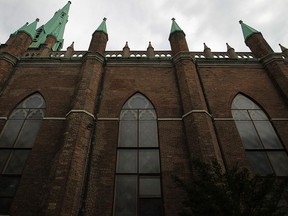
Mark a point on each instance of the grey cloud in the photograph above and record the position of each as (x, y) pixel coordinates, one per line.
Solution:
(138, 22)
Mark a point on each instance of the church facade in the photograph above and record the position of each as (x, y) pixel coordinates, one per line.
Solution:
(102, 132)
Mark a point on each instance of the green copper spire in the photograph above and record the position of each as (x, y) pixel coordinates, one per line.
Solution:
(29, 28)
(247, 30)
(102, 27)
(55, 26)
(175, 27)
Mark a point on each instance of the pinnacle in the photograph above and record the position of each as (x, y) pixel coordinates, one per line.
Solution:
(247, 30)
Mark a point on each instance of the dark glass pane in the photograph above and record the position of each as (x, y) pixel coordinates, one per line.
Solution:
(147, 115)
(19, 114)
(5, 204)
(17, 162)
(248, 135)
(149, 186)
(279, 161)
(3, 158)
(148, 136)
(258, 115)
(267, 134)
(10, 132)
(259, 163)
(150, 207)
(242, 102)
(126, 161)
(126, 195)
(8, 185)
(240, 115)
(35, 114)
(28, 134)
(128, 134)
(149, 161)
(138, 101)
(129, 115)
(34, 101)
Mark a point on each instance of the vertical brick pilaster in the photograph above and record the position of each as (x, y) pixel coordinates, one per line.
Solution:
(69, 168)
(200, 133)
(199, 128)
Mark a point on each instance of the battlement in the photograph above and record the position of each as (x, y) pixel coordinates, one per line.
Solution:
(160, 54)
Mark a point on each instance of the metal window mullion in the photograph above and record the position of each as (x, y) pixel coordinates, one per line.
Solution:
(9, 157)
(264, 149)
(255, 128)
(138, 171)
(24, 120)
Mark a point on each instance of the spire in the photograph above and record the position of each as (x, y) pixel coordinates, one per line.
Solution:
(177, 39)
(102, 27)
(30, 29)
(247, 30)
(99, 39)
(175, 27)
(55, 26)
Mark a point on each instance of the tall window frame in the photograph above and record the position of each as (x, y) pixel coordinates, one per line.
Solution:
(138, 190)
(16, 142)
(263, 147)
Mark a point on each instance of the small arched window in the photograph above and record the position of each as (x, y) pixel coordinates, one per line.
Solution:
(138, 182)
(16, 141)
(263, 147)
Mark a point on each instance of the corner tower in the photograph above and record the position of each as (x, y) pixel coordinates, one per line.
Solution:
(272, 63)
(99, 39)
(13, 49)
(177, 39)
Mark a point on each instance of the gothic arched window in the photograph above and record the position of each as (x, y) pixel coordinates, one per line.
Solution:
(16, 141)
(263, 147)
(138, 182)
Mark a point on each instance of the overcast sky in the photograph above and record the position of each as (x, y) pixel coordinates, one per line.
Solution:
(214, 22)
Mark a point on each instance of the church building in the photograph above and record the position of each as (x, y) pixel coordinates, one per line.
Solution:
(101, 132)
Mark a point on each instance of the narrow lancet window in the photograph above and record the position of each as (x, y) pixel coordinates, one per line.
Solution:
(138, 182)
(263, 147)
(16, 141)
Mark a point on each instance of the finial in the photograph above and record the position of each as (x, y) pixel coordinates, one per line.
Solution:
(282, 48)
(104, 18)
(150, 45)
(37, 19)
(207, 51)
(231, 52)
(69, 2)
(126, 45)
(228, 46)
(175, 27)
(72, 45)
(240, 21)
(205, 46)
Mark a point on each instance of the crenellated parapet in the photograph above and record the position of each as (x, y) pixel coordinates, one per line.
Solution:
(134, 54)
